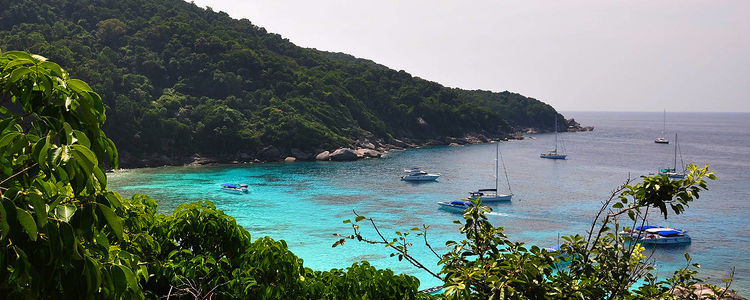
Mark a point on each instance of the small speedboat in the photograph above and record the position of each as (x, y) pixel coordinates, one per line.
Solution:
(416, 174)
(235, 188)
(456, 205)
(657, 235)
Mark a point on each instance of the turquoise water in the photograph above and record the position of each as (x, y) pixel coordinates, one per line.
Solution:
(304, 203)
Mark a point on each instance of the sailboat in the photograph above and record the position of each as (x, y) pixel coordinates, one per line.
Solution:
(553, 154)
(493, 195)
(672, 172)
(661, 139)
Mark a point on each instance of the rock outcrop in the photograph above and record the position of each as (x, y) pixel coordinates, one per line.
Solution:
(270, 153)
(344, 154)
(325, 155)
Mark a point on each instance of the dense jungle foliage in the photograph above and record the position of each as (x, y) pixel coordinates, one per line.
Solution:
(177, 79)
(65, 235)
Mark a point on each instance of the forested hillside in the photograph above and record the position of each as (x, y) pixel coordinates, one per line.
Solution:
(177, 79)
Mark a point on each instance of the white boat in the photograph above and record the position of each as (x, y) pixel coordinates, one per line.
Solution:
(416, 174)
(672, 172)
(554, 154)
(235, 188)
(456, 205)
(493, 195)
(661, 139)
(657, 235)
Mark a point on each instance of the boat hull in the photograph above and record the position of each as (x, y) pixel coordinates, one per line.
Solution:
(494, 198)
(420, 178)
(452, 207)
(553, 156)
(236, 192)
(658, 141)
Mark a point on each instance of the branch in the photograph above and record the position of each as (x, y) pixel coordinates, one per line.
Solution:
(403, 252)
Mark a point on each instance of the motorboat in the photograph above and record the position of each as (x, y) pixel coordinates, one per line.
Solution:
(493, 195)
(657, 235)
(416, 174)
(554, 154)
(235, 188)
(456, 205)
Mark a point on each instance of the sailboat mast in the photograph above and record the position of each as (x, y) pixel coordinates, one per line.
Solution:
(675, 152)
(497, 154)
(664, 128)
(555, 133)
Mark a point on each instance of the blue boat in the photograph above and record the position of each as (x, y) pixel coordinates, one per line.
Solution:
(456, 205)
(235, 188)
(657, 235)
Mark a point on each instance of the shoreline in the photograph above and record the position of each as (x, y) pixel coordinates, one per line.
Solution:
(360, 149)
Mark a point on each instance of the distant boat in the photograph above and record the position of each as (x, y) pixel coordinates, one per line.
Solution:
(456, 205)
(235, 188)
(661, 139)
(416, 174)
(493, 195)
(554, 154)
(672, 172)
(657, 235)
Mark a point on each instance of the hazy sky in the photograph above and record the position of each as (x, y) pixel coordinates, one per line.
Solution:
(575, 55)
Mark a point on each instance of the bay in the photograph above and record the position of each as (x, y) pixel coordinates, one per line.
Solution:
(304, 203)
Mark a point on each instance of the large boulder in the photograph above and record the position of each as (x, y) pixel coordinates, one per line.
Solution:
(290, 159)
(301, 155)
(344, 154)
(325, 155)
(368, 153)
(269, 153)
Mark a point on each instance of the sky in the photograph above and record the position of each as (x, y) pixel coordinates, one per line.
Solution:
(575, 55)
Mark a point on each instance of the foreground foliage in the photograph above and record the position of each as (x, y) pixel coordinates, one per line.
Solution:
(178, 79)
(63, 234)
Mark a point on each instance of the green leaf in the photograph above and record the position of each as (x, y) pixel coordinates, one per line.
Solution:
(18, 73)
(8, 138)
(68, 133)
(27, 223)
(78, 85)
(4, 226)
(119, 279)
(112, 219)
(359, 218)
(99, 174)
(65, 212)
(85, 153)
(81, 138)
(40, 209)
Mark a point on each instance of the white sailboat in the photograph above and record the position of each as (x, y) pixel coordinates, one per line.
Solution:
(554, 154)
(494, 195)
(672, 172)
(661, 139)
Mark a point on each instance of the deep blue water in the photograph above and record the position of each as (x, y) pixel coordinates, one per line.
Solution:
(304, 203)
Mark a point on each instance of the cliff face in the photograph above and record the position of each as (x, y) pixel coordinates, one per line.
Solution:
(178, 80)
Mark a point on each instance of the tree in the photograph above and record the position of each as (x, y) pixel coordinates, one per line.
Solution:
(60, 229)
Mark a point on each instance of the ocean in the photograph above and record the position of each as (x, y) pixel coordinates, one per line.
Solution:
(304, 203)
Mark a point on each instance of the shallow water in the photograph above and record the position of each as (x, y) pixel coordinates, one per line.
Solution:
(304, 203)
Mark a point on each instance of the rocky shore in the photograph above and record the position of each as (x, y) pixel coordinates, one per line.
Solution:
(362, 148)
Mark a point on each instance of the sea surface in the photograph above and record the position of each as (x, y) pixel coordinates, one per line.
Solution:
(304, 203)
